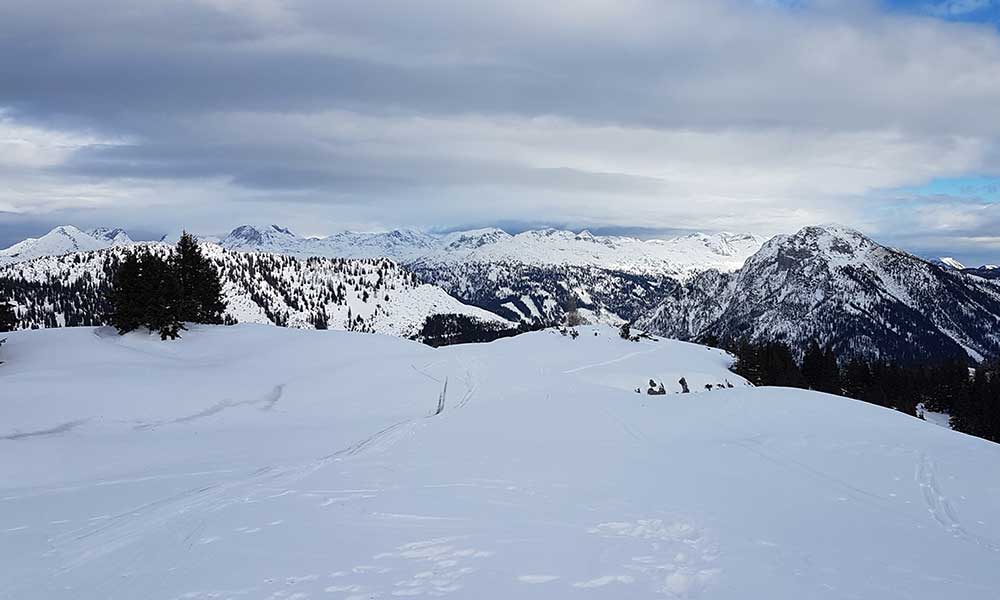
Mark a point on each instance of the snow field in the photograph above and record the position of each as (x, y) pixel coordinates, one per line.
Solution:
(260, 462)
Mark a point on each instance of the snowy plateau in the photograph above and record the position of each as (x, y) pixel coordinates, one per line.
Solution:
(275, 463)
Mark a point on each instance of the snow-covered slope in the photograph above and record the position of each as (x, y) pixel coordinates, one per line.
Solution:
(372, 295)
(258, 462)
(65, 239)
(840, 287)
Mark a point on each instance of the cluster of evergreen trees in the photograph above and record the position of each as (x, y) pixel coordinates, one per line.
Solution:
(971, 397)
(162, 293)
(446, 329)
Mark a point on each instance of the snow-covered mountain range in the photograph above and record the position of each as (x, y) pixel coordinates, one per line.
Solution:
(677, 258)
(840, 287)
(372, 295)
(830, 283)
(533, 276)
(64, 239)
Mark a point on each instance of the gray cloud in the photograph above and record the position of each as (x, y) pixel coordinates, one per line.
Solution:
(669, 115)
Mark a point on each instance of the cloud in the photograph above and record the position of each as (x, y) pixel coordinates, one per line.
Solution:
(691, 114)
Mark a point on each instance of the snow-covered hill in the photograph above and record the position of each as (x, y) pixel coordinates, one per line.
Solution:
(260, 462)
(62, 240)
(372, 295)
(838, 286)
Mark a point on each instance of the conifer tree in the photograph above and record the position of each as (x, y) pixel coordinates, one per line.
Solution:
(161, 295)
(8, 319)
(200, 287)
(127, 301)
(820, 370)
(146, 293)
(770, 363)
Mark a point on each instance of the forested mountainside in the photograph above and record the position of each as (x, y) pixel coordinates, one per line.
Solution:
(373, 295)
(533, 294)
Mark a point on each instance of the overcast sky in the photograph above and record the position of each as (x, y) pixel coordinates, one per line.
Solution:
(615, 115)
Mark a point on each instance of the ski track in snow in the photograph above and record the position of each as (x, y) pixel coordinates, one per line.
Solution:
(86, 544)
(940, 507)
(605, 363)
(58, 429)
(266, 403)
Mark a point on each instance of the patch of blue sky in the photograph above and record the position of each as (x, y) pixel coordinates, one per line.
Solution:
(975, 188)
(976, 11)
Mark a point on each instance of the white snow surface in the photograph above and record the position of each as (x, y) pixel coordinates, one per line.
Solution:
(270, 463)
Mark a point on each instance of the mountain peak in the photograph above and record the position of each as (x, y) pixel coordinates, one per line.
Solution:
(950, 262)
(64, 239)
(475, 238)
(115, 236)
(245, 235)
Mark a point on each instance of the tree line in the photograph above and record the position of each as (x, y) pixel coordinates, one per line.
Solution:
(970, 396)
